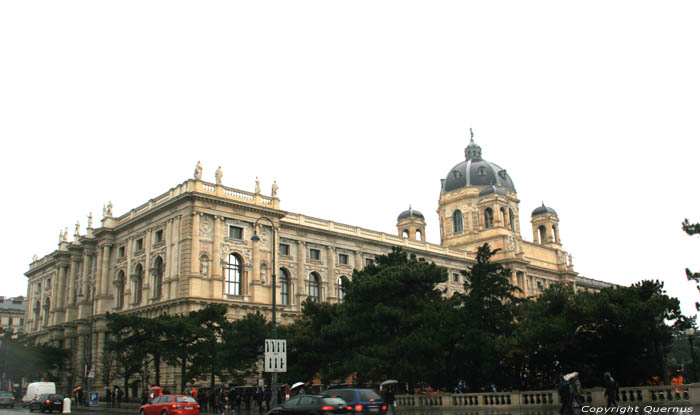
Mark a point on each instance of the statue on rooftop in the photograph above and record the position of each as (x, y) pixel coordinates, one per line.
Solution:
(274, 188)
(219, 174)
(90, 221)
(107, 210)
(257, 185)
(198, 171)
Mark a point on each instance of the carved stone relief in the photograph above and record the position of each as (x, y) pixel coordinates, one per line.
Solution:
(206, 227)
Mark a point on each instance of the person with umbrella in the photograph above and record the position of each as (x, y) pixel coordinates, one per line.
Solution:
(389, 395)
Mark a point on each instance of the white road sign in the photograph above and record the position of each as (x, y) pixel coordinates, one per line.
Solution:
(275, 355)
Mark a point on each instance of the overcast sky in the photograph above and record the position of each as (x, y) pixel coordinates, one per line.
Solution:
(358, 109)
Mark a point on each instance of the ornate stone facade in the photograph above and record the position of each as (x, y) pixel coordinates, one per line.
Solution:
(192, 245)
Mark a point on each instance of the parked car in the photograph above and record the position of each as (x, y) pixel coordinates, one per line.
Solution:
(47, 402)
(7, 399)
(171, 405)
(312, 405)
(360, 401)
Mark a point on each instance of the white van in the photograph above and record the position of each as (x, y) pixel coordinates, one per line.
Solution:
(35, 389)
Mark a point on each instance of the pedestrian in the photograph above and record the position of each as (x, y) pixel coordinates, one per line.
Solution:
(287, 392)
(577, 394)
(144, 397)
(259, 398)
(565, 397)
(267, 397)
(204, 399)
(390, 399)
(108, 396)
(610, 389)
(117, 397)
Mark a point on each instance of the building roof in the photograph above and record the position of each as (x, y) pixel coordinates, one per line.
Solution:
(475, 171)
(543, 209)
(491, 189)
(410, 212)
(12, 303)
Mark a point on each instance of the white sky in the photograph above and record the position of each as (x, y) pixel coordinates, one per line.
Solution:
(357, 109)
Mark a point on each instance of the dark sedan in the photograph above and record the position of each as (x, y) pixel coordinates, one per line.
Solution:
(312, 405)
(360, 401)
(46, 402)
(7, 399)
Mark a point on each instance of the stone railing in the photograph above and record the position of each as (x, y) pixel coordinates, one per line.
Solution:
(198, 186)
(681, 395)
(356, 231)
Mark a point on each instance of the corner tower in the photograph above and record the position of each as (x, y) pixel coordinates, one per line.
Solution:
(545, 227)
(410, 224)
(478, 202)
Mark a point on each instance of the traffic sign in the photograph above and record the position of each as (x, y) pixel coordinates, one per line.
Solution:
(275, 355)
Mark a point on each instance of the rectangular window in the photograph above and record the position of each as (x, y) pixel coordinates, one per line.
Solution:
(369, 261)
(139, 244)
(343, 259)
(38, 288)
(159, 236)
(284, 249)
(455, 277)
(48, 284)
(315, 254)
(21, 322)
(122, 252)
(235, 232)
(9, 321)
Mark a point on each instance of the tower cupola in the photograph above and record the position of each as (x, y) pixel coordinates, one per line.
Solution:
(411, 224)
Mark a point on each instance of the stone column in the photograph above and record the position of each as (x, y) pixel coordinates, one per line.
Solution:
(332, 280)
(301, 260)
(216, 270)
(256, 260)
(61, 286)
(358, 261)
(98, 274)
(104, 275)
(194, 256)
(72, 279)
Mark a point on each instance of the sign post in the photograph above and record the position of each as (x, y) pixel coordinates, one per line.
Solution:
(275, 356)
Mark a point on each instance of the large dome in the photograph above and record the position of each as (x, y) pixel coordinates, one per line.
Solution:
(475, 171)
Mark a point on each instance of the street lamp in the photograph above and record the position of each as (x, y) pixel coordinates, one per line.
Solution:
(92, 328)
(690, 332)
(255, 238)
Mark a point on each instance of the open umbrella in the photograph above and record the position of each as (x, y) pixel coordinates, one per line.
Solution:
(296, 385)
(570, 376)
(389, 382)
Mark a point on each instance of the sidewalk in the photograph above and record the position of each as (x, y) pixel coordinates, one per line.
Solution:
(125, 408)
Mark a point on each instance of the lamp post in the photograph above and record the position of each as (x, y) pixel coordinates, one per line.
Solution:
(255, 238)
(92, 328)
(690, 332)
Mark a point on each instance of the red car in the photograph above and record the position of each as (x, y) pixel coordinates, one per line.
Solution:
(171, 405)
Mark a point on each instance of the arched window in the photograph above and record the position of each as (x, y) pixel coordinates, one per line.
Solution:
(341, 290)
(314, 287)
(284, 286)
(158, 269)
(419, 235)
(543, 234)
(511, 217)
(504, 217)
(234, 272)
(405, 233)
(457, 224)
(138, 284)
(488, 218)
(47, 306)
(37, 314)
(555, 235)
(120, 290)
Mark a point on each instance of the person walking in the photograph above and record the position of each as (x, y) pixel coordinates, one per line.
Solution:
(391, 399)
(610, 389)
(259, 398)
(565, 397)
(267, 397)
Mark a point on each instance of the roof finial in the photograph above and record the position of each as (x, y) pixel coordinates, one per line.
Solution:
(472, 133)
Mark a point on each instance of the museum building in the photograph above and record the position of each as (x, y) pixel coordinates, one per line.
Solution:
(192, 246)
